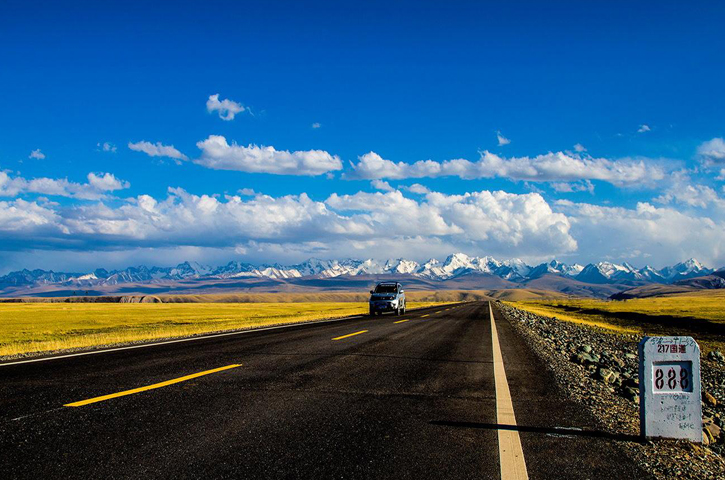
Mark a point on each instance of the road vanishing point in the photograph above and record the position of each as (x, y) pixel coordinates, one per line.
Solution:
(441, 392)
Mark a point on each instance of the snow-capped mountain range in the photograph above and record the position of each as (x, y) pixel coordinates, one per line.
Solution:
(455, 265)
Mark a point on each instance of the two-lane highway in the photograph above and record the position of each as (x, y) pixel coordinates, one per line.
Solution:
(380, 397)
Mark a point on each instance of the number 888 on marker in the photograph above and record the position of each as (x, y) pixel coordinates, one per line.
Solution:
(672, 377)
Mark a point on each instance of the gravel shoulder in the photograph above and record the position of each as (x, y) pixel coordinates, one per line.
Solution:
(598, 370)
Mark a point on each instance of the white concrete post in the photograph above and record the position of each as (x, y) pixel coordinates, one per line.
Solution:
(669, 388)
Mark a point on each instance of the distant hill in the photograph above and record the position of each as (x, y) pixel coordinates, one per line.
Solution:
(456, 272)
(715, 281)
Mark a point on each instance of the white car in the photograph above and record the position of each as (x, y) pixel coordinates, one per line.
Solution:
(387, 297)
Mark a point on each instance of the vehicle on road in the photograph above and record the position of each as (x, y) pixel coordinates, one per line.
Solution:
(387, 297)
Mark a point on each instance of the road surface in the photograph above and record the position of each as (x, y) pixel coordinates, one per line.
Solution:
(417, 396)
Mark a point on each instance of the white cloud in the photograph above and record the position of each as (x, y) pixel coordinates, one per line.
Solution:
(316, 125)
(647, 233)
(157, 150)
(22, 217)
(713, 152)
(97, 187)
(417, 188)
(579, 148)
(37, 154)
(498, 222)
(227, 108)
(564, 187)
(219, 155)
(643, 128)
(502, 140)
(486, 222)
(683, 192)
(495, 222)
(381, 185)
(247, 192)
(550, 167)
(106, 147)
(722, 175)
(106, 182)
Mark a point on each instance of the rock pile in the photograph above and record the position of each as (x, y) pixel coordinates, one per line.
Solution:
(600, 370)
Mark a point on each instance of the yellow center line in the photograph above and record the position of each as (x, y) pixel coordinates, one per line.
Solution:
(350, 335)
(148, 387)
(401, 321)
(423, 316)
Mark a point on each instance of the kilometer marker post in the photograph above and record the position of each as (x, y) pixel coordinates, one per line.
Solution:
(669, 388)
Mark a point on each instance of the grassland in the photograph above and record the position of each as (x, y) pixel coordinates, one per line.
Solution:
(27, 328)
(698, 314)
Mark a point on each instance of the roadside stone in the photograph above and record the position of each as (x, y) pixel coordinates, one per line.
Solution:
(586, 348)
(630, 356)
(716, 355)
(714, 431)
(607, 376)
(583, 358)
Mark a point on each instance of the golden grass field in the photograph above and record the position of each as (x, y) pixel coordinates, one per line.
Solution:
(698, 314)
(43, 327)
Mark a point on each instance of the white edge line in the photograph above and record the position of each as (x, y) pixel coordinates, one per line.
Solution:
(180, 340)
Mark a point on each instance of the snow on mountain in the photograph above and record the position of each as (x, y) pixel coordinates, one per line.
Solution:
(555, 267)
(454, 265)
(683, 270)
(401, 266)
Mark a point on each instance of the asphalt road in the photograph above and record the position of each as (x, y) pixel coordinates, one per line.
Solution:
(410, 399)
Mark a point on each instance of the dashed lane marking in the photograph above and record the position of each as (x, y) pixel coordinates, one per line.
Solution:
(149, 387)
(401, 321)
(350, 335)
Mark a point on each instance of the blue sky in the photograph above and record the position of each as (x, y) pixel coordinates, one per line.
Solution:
(637, 88)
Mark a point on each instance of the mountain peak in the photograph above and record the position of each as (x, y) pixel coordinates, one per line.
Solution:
(455, 265)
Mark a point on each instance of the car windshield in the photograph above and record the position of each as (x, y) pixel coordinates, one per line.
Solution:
(386, 289)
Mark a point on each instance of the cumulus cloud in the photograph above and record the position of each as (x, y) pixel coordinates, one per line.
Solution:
(417, 188)
(37, 154)
(712, 152)
(157, 150)
(98, 186)
(106, 182)
(647, 233)
(564, 187)
(497, 222)
(381, 185)
(550, 167)
(579, 148)
(502, 140)
(643, 128)
(683, 192)
(316, 125)
(220, 155)
(227, 108)
(106, 147)
(490, 222)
